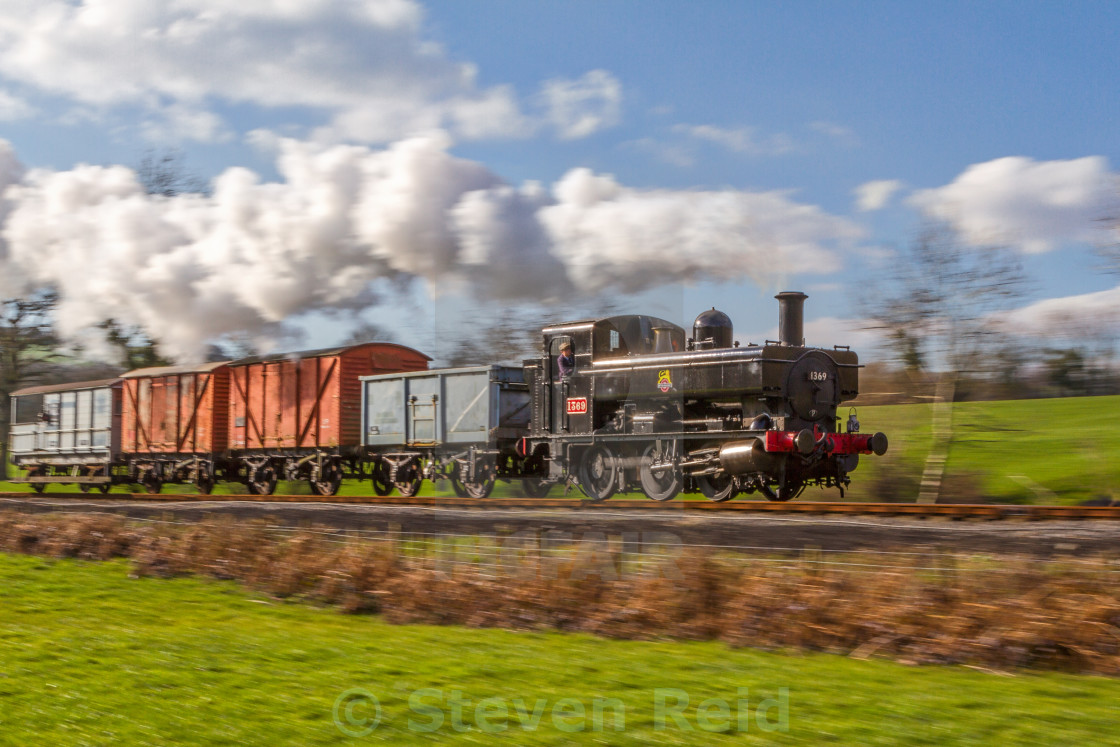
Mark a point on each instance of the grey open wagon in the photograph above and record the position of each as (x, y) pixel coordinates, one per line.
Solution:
(461, 424)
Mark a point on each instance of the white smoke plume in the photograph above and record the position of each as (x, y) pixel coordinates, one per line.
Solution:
(192, 268)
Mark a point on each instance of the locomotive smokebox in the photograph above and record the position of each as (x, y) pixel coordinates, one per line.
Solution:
(791, 318)
(712, 329)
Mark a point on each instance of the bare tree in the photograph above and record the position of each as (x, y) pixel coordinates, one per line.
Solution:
(27, 352)
(506, 341)
(368, 332)
(942, 300)
(137, 349)
(165, 174)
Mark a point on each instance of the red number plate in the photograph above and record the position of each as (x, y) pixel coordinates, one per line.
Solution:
(577, 405)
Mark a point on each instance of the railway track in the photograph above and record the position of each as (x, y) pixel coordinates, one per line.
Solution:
(992, 511)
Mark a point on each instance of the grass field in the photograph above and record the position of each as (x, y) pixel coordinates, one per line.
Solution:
(1021, 451)
(91, 656)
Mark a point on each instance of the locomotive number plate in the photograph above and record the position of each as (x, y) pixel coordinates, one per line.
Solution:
(577, 405)
(818, 376)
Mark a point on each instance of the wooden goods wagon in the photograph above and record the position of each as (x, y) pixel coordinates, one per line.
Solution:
(175, 424)
(176, 410)
(299, 415)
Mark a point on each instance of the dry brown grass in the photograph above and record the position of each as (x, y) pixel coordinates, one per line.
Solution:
(1003, 613)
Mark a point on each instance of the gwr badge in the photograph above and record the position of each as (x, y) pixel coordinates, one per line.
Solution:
(664, 382)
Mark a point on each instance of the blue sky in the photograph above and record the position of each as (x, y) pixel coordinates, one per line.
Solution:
(668, 156)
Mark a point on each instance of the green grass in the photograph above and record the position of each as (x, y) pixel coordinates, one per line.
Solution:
(1025, 451)
(89, 655)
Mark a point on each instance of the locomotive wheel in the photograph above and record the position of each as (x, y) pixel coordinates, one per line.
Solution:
(662, 485)
(781, 493)
(598, 473)
(717, 489)
(381, 483)
(410, 486)
(535, 487)
(263, 481)
(329, 485)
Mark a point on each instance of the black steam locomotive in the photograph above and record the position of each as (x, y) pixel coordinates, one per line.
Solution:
(645, 406)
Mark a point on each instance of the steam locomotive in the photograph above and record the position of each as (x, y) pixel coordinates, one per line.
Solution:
(635, 404)
(645, 407)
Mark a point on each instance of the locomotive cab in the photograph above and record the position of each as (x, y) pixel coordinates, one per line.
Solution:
(572, 402)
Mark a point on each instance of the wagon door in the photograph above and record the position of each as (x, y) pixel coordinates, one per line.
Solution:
(269, 406)
(424, 404)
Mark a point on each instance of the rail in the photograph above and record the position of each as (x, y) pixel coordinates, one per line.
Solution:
(950, 510)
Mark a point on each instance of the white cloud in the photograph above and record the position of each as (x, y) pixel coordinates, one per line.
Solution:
(875, 195)
(253, 254)
(669, 153)
(843, 135)
(176, 123)
(12, 107)
(740, 140)
(361, 67)
(1030, 204)
(1078, 316)
(578, 108)
(612, 236)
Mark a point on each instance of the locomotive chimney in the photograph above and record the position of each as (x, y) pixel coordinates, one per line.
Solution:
(791, 318)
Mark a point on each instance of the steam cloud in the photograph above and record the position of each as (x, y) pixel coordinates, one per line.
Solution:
(192, 268)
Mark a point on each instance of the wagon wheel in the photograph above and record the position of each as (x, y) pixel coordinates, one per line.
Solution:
(76, 471)
(329, 483)
(473, 489)
(483, 485)
(661, 484)
(456, 483)
(452, 474)
(598, 473)
(38, 487)
(380, 479)
(536, 487)
(263, 481)
(204, 481)
(152, 483)
(105, 487)
(717, 488)
(480, 489)
(780, 492)
(409, 486)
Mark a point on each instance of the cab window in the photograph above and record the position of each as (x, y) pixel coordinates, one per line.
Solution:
(554, 353)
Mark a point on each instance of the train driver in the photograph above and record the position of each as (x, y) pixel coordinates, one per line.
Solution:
(566, 361)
